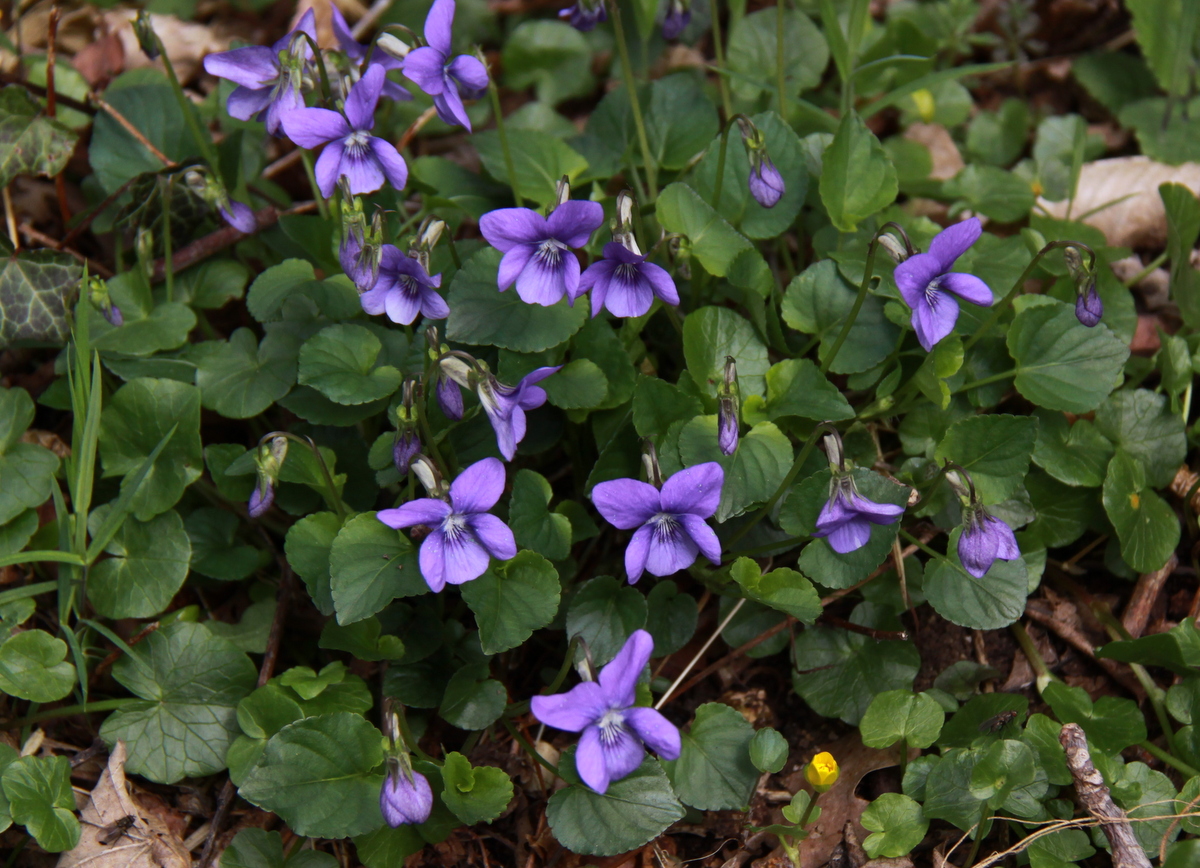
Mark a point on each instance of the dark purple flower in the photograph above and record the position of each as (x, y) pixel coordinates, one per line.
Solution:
(240, 217)
(358, 53)
(446, 80)
(261, 498)
(585, 14)
(407, 447)
(677, 18)
(670, 523)
(449, 397)
(615, 731)
(403, 290)
(1088, 306)
(464, 534)
(406, 798)
(625, 283)
(984, 539)
(358, 261)
(847, 517)
(365, 160)
(113, 314)
(536, 248)
(727, 426)
(506, 406)
(928, 286)
(766, 184)
(263, 82)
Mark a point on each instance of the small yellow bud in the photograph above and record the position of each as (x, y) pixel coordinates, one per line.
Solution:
(822, 772)
(926, 106)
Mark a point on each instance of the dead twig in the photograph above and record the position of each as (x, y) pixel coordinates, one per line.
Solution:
(1082, 644)
(1145, 593)
(46, 241)
(1095, 797)
(134, 131)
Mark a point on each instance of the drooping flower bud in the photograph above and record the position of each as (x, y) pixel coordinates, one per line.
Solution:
(392, 45)
(679, 15)
(584, 14)
(212, 192)
(268, 460)
(766, 183)
(361, 250)
(408, 443)
(426, 239)
(430, 478)
(407, 447)
(893, 248)
(728, 409)
(1089, 309)
(102, 301)
(822, 772)
(449, 398)
(622, 227)
(406, 798)
(144, 30)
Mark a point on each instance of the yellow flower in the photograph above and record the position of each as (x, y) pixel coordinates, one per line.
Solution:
(925, 104)
(822, 771)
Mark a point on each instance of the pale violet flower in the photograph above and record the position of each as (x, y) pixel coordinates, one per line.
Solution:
(984, 539)
(846, 519)
(537, 249)
(445, 79)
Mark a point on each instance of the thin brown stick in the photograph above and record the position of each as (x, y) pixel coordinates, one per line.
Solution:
(116, 654)
(83, 224)
(881, 635)
(1095, 797)
(1145, 594)
(284, 163)
(416, 126)
(46, 241)
(1082, 644)
(38, 90)
(134, 131)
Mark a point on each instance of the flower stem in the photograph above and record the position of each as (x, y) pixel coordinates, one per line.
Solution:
(780, 63)
(719, 51)
(808, 809)
(636, 106)
(529, 749)
(783, 487)
(1031, 652)
(494, 93)
(332, 497)
(69, 710)
(998, 310)
(987, 381)
(868, 271)
(306, 159)
(188, 109)
(1179, 765)
(984, 814)
(717, 184)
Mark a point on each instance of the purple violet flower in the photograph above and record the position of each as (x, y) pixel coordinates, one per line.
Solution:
(366, 160)
(585, 14)
(677, 18)
(406, 798)
(535, 248)
(727, 427)
(929, 286)
(625, 283)
(408, 446)
(766, 183)
(506, 406)
(984, 539)
(113, 314)
(616, 733)
(403, 290)
(670, 523)
(464, 533)
(261, 499)
(240, 217)
(358, 53)
(1088, 306)
(263, 84)
(449, 397)
(847, 517)
(446, 80)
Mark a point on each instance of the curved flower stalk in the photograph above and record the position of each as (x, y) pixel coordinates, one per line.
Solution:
(404, 290)
(929, 287)
(623, 281)
(671, 530)
(268, 79)
(350, 150)
(537, 249)
(464, 535)
(267, 460)
(846, 518)
(984, 538)
(212, 192)
(615, 732)
(765, 181)
(445, 79)
(359, 53)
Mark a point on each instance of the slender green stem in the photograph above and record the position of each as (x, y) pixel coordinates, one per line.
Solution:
(33, 557)
(868, 270)
(332, 496)
(719, 50)
(306, 159)
(781, 490)
(1145, 272)
(719, 182)
(68, 710)
(634, 103)
(11, 861)
(999, 309)
(431, 441)
(808, 809)
(494, 92)
(984, 813)
(168, 255)
(1177, 764)
(780, 61)
(188, 109)
(1031, 652)
(529, 749)
(987, 381)
(410, 740)
(27, 591)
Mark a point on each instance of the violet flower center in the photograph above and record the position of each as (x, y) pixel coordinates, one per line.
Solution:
(550, 251)
(357, 143)
(665, 525)
(409, 285)
(612, 725)
(932, 289)
(454, 526)
(627, 271)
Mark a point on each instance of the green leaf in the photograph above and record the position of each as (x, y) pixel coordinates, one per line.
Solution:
(900, 714)
(258, 848)
(212, 284)
(251, 633)
(1005, 766)
(712, 333)
(191, 682)
(656, 404)
(680, 120)
(580, 385)
(857, 176)
(796, 387)
(1111, 723)
(318, 774)
(753, 54)
(1140, 423)
(1152, 809)
(988, 603)
(33, 666)
(769, 750)
(33, 292)
(148, 566)
(144, 98)
(1003, 196)
(973, 723)
(818, 301)
(713, 242)
(309, 684)
(139, 415)
(1177, 649)
(364, 639)
(26, 469)
(948, 789)
(30, 143)
(472, 700)
(714, 772)
(671, 617)
(532, 523)
(1146, 525)
(370, 564)
(339, 362)
(481, 315)
(242, 378)
(513, 599)
(782, 589)
(552, 56)
(40, 798)
(600, 343)
(1061, 364)
(994, 449)
(308, 546)
(896, 823)
(539, 161)
(474, 794)
(752, 473)
(214, 549)
(604, 612)
(634, 810)
(1072, 452)
(1166, 32)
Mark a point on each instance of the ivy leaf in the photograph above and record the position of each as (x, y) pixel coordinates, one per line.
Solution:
(30, 143)
(33, 292)
(190, 683)
(513, 599)
(714, 772)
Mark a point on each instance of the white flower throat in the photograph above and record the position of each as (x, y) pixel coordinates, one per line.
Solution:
(665, 525)
(357, 143)
(550, 250)
(933, 290)
(454, 525)
(612, 724)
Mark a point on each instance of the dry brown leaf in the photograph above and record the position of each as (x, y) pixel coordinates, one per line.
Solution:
(185, 42)
(323, 14)
(1137, 221)
(947, 161)
(145, 844)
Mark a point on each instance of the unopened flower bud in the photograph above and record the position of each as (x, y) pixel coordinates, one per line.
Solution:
(456, 369)
(429, 477)
(144, 31)
(893, 247)
(585, 14)
(679, 15)
(562, 191)
(449, 398)
(406, 798)
(407, 447)
(1088, 307)
(766, 183)
(392, 45)
(650, 462)
(622, 228)
(100, 299)
(728, 409)
(822, 772)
